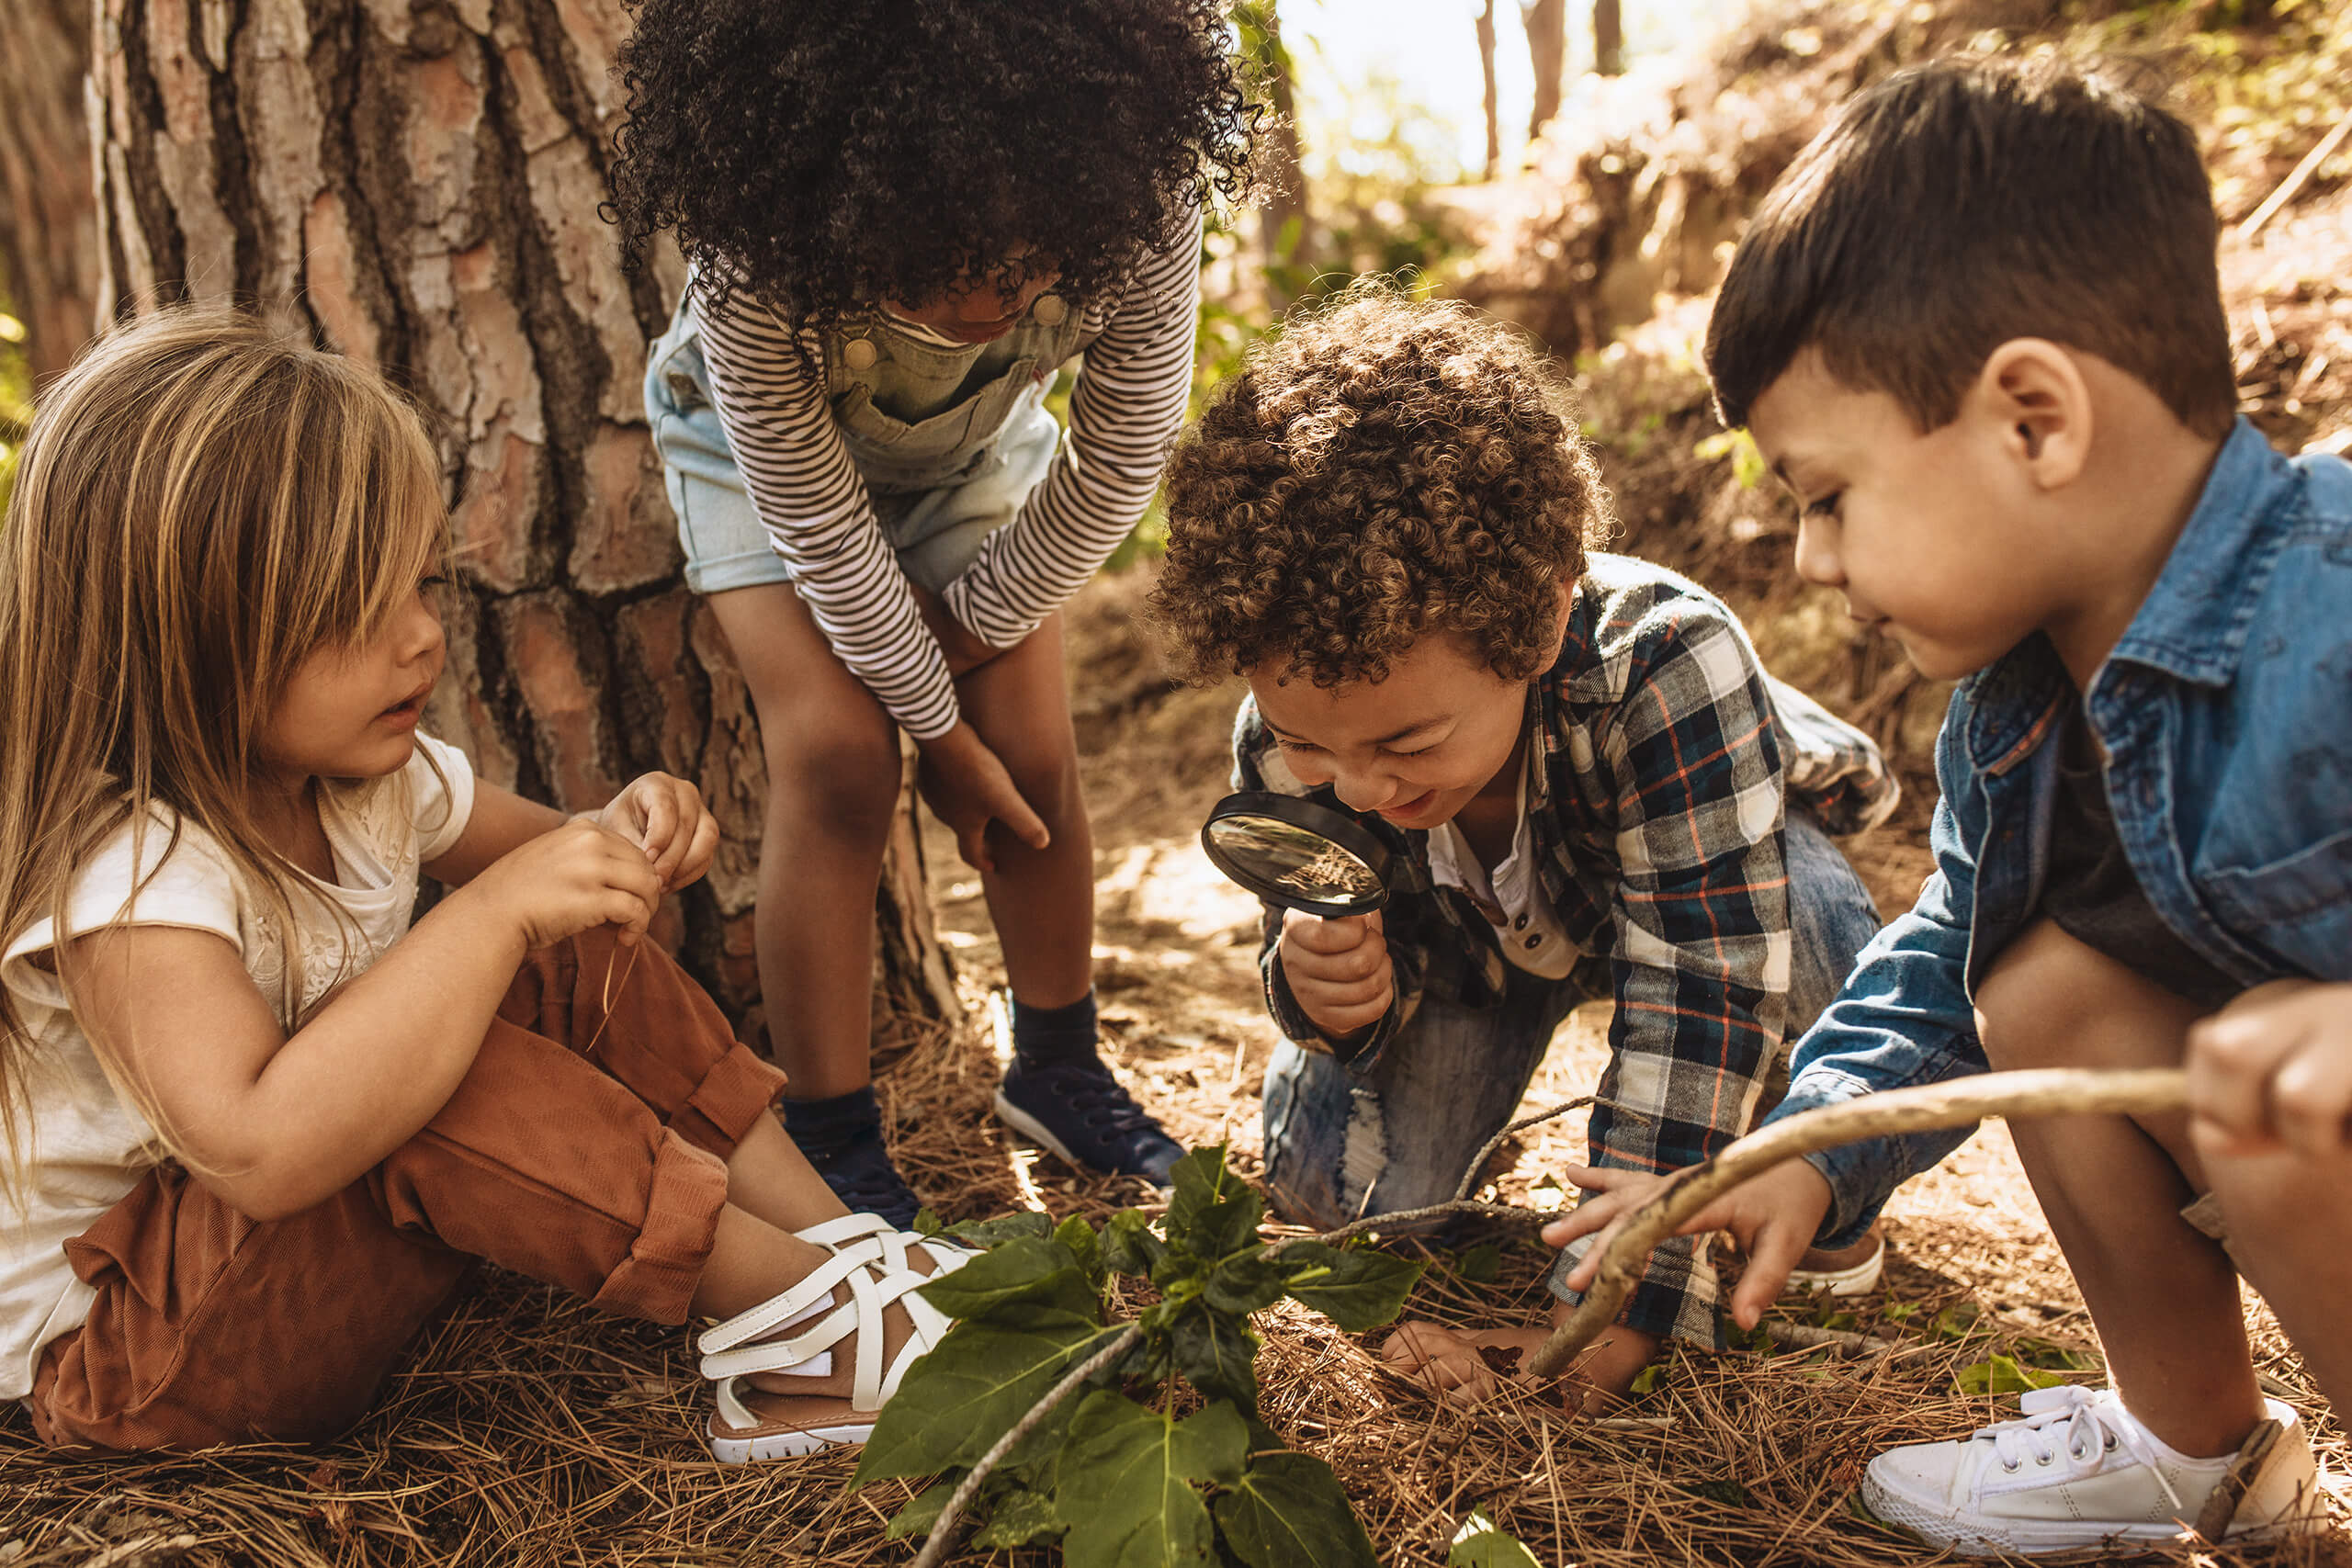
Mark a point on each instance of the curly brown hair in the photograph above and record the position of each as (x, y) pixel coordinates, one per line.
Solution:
(1381, 468)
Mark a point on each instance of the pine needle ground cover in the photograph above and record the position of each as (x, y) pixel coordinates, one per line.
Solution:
(528, 1431)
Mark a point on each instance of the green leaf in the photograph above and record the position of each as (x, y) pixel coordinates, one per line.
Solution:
(961, 1396)
(2002, 1374)
(1244, 1283)
(922, 1510)
(1288, 1511)
(1479, 1264)
(1357, 1291)
(1218, 1354)
(1078, 1239)
(1480, 1543)
(1003, 1228)
(1213, 1213)
(1731, 1493)
(1129, 1480)
(1649, 1379)
(1958, 1321)
(1024, 1270)
(927, 1223)
(1128, 1245)
(1022, 1517)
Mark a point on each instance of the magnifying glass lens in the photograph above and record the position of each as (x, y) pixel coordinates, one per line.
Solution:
(1298, 853)
(1309, 865)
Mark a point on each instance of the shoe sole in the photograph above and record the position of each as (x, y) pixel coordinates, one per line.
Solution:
(1858, 1280)
(1029, 1127)
(793, 1443)
(1878, 1506)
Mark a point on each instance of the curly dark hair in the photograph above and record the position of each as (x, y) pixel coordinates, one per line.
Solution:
(1381, 469)
(824, 155)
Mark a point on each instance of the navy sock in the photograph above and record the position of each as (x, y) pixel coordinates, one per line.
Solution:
(822, 1125)
(1041, 1035)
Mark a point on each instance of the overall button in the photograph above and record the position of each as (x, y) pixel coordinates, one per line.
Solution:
(1050, 310)
(859, 354)
(687, 396)
(1533, 942)
(1519, 924)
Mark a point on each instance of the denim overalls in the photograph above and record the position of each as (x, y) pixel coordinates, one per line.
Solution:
(948, 441)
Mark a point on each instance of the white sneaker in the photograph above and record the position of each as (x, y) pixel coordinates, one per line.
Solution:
(2077, 1470)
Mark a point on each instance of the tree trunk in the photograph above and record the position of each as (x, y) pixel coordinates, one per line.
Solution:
(416, 183)
(49, 231)
(1608, 38)
(1547, 22)
(1493, 100)
(1284, 219)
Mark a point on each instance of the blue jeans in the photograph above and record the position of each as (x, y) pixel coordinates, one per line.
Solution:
(1338, 1145)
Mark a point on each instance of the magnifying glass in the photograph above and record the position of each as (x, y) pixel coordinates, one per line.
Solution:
(1297, 853)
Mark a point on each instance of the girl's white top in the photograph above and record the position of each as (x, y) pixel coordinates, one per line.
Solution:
(87, 1146)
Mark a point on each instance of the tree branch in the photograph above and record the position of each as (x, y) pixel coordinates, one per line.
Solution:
(935, 1545)
(2055, 1091)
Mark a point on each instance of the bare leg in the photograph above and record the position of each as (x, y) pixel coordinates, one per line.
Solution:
(770, 1179)
(832, 762)
(2163, 1295)
(1042, 900)
(2291, 1223)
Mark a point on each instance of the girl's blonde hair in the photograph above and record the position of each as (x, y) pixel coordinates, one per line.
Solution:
(200, 505)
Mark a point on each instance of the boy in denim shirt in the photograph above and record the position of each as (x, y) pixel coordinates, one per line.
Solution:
(1588, 787)
(1977, 330)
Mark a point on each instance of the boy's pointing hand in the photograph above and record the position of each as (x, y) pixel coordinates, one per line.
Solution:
(1338, 970)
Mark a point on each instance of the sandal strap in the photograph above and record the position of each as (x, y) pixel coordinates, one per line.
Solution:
(734, 1349)
(848, 1228)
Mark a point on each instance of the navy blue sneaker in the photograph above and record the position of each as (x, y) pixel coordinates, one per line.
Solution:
(861, 1175)
(1077, 1109)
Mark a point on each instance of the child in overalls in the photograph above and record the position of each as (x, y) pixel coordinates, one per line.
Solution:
(908, 220)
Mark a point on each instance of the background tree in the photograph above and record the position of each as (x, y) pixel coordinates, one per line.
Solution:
(1546, 23)
(416, 183)
(1492, 98)
(49, 257)
(1608, 38)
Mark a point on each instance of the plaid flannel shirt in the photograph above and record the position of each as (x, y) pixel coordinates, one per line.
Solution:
(1666, 758)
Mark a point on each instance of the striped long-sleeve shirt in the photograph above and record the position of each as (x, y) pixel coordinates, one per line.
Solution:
(1124, 415)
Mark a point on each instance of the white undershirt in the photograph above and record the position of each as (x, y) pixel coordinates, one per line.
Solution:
(1526, 925)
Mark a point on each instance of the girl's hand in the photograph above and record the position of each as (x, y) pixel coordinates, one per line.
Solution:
(561, 883)
(967, 788)
(1339, 970)
(666, 819)
(2273, 1071)
(1774, 1216)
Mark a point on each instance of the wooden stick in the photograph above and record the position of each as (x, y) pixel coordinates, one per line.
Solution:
(2294, 180)
(2053, 1092)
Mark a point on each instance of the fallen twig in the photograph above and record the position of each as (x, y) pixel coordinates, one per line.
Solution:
(943, 1534)
(1806, 1336)
(2295, 178)
(2044, 1092)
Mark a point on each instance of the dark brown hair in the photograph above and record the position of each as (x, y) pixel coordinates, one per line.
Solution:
(1959, 205)
(1380, 469)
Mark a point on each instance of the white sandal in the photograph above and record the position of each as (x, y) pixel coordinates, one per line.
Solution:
(875, 1262)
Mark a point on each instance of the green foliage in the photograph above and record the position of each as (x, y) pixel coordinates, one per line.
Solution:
(2002, 1374)
(1114, 1470)
(1480, 1543)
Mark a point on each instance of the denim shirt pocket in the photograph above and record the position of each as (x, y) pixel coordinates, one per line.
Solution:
(2297, 909)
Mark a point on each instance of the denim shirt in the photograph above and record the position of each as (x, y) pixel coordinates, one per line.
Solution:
(2226, 713)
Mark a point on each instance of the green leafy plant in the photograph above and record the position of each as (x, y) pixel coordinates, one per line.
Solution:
(1481, 1543)
(1155, 1454)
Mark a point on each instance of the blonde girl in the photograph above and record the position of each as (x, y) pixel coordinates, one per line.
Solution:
(259, 1128)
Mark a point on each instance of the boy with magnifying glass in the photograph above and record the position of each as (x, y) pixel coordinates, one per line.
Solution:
(1586, 786)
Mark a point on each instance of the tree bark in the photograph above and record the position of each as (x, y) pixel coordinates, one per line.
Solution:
(49, 252)
(1608, 38)
(1547, 22)
(416, 183)
(1493, 98)
(1284, 219)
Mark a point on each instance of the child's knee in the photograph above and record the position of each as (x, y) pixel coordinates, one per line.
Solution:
(2050, 1001)
(848, 774)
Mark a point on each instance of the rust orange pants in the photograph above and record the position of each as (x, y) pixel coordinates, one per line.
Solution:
(601, 1172)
